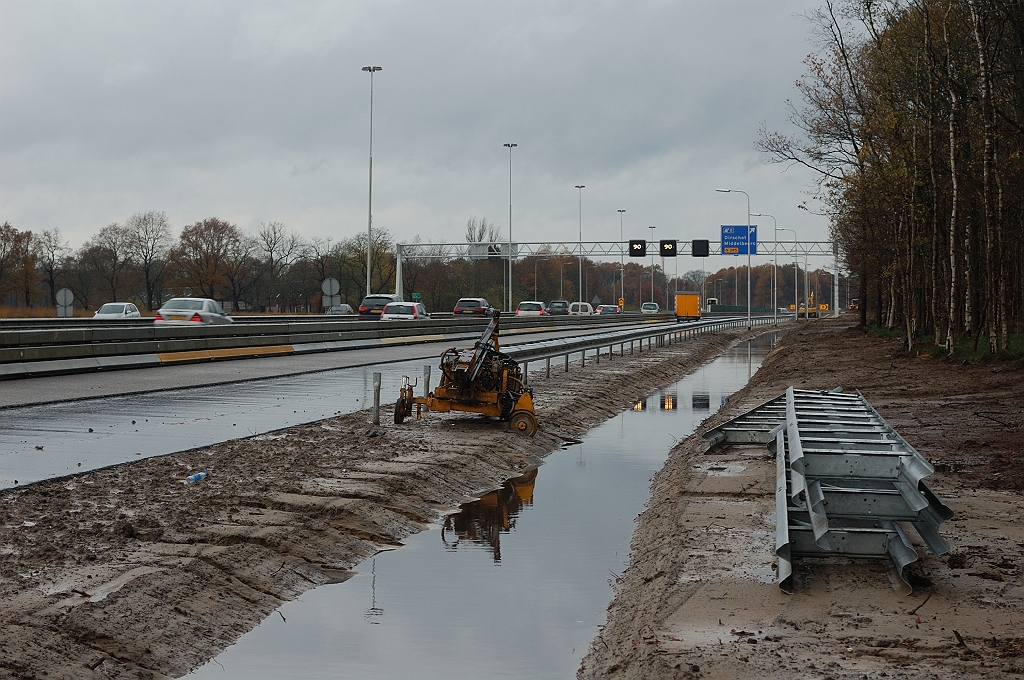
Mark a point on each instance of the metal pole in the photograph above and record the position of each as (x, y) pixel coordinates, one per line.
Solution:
(807, 289)
(510, 147)
(740, 191)
(398, 271)
(580, 188)
(426, 380)
(775, 267)
(652, 228)
(376, 398)
(796, 268)
(622, 262)
(369, 218)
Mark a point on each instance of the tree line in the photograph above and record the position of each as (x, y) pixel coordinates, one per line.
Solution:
(913, 121)
(143, 261)
(274, 270)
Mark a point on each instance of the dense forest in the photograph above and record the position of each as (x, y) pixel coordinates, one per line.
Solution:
(911, 117)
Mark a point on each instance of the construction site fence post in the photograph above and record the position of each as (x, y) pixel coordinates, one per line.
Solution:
(376, 398)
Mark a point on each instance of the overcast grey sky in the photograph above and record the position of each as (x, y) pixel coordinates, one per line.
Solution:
(258, 111)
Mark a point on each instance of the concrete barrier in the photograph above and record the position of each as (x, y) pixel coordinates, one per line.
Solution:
(35, 352)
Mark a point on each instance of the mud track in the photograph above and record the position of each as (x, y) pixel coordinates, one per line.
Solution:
(699, 599)
(128, 573)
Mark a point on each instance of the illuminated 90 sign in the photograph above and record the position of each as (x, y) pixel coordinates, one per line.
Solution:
(637, 248)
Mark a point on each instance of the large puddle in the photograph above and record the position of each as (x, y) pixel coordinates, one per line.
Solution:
(51, 440)
(516, 584)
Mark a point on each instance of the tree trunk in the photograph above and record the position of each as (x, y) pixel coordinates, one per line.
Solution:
(954, 201)
(991, 272)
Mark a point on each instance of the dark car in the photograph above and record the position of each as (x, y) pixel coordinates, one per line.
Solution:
(559, 307)
(373, 306)
(478, 306)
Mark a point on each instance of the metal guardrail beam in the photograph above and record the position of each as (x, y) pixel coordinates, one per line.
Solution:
(844, 480)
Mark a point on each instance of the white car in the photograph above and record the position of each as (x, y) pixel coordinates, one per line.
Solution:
(581, 309)
(191, 311)
(650, 308)
(117, 310)
(404, 311)
(531, 308)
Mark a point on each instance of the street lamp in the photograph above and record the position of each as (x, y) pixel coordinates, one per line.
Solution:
(511, 146)
(580, 188)
(652, 228)
(369, 219)
(738, 191)
(775, 266)
(622, 261)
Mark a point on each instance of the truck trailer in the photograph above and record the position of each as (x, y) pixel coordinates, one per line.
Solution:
(687, 305)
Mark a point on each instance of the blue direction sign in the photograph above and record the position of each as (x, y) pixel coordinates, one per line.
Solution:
(734, 239)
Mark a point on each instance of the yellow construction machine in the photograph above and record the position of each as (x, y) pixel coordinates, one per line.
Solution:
(480, 380)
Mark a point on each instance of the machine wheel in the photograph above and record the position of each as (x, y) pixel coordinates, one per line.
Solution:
(399, 411)
(523, 422)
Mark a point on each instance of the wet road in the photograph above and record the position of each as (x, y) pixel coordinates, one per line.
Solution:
(57, 438)
(514, 586)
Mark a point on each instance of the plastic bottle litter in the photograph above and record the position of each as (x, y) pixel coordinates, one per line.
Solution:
(197, 477)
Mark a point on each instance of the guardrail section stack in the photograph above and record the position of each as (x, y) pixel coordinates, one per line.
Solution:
(845, 480)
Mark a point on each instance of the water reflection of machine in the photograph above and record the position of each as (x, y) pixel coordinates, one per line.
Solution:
(485, 520)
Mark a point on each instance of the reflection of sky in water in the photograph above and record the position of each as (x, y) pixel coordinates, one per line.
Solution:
(515, 586)
(153, 424)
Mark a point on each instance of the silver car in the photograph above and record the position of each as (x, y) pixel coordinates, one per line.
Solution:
(188, 311)
(117, 310)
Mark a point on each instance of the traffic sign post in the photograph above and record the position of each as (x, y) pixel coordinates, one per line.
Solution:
(65, 300)
(735, 239)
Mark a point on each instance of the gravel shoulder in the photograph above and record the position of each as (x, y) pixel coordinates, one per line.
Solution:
(128, 573)
(699, 598)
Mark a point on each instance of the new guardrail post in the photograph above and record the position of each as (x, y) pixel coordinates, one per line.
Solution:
(426, 381)
(376, 398)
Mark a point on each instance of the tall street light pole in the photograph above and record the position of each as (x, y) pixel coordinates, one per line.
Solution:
(652, 228)
(775, 267)
(622, 262)
(580, 188)
(510, 147)
(738, 191)
(369, 218)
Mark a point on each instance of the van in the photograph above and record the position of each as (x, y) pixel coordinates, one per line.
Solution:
(580, 309)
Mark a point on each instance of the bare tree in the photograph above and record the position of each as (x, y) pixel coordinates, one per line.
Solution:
(109, 254)
(280, 249)
(52, 251)
(150, 243)
(482, 231)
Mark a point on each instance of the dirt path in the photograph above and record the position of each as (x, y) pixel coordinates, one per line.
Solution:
(128, 573)
(699, 599)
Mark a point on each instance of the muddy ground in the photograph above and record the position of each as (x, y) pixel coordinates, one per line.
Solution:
(699, 600)
(129, 573)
